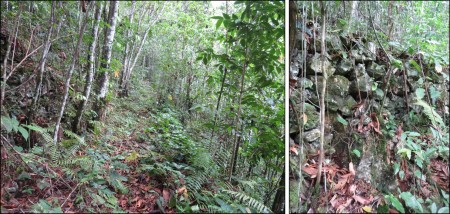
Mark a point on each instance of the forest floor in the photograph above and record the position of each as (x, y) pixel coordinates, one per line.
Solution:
(126, 178)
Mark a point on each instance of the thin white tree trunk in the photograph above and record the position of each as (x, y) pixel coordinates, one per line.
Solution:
(136, 57)
(69, 76)
(90, 73)
(353, 14)
(103, 79)
(6, 76)
(127, 53)
(43, 61)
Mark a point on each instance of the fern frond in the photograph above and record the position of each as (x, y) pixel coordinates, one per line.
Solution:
(72, 135)
(249, 201)
(430, 112)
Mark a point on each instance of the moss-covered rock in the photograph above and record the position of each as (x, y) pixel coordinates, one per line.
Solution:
(315, 66)
(312, 116)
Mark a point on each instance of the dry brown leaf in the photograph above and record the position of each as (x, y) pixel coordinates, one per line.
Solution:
(294, 150)
(375, 123)
(305, 118)
(445, 170)
(352, 189)
(181, 190)
(166, 195)
(342, 181)
(399, 131)
(351, 169)
(139, 203)
(393, 211)
(361, 199)
(343, 206)
(312, 171)
(334, 201)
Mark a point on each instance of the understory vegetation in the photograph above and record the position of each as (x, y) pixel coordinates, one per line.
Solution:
(369, 107)
(148, 107)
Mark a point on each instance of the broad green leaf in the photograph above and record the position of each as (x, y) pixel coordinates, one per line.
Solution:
(218, 23)
(420, 93)
(379, 92)
(411, 201)
(356, 152)
(133, 156)
(396, 203)
(18, 148)
(341, 120)
(434, 94)
(24, 176)
(24, 132)
(433, 208)
(33, 127)
(430, 112)
(415, 65)
(405, 151)
(374, 86)
(401, 174)
(194, 208)
(396, 168)
(414, 134)
(443, 210)
(6, 121)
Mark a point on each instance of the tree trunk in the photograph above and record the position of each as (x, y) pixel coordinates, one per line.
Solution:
(278, 202)
(292, 30)
(69, 76)
(90, 71)
(130, 66)
(127, 54)
(353, 13)
(322, 97)
(11, 40)
(188, 91)
(103, 76)
(41, 72)
(238, 124)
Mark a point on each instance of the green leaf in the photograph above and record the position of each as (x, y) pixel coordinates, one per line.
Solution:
(379, 92)
(6, 121)
(396, 168)
(374, 86)
(420, 93)
(18, 148)
(218, 23)
(396, 203)
(217, 17)
(356, 152)
(194, 208)
(23, 132)
(443, 210)
(434, 94)
(397, 63)
(42, 184)
(411, 201)
(430, 112)
(433, 208)
(415, 65)
(404, 151)
(342, 120)
(34, 128)
(24, 176)
(414, 134)
(401, 174)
